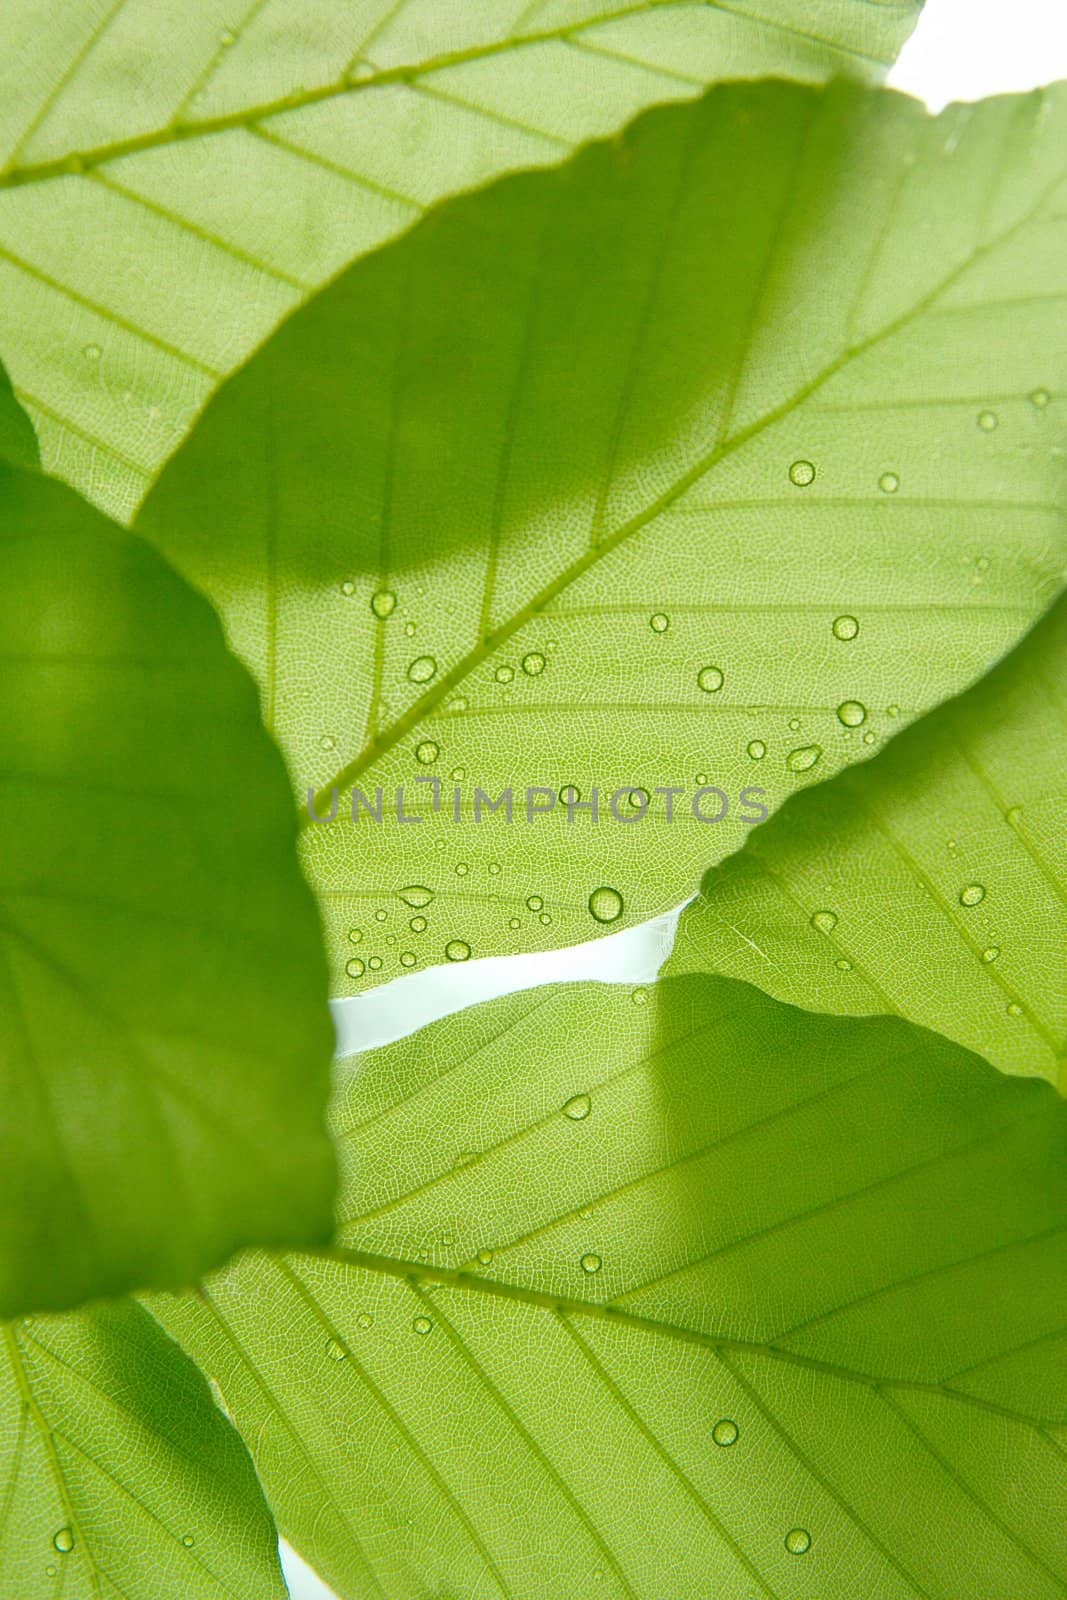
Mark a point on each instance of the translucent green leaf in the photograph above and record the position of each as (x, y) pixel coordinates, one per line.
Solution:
(931, 883)
(121, 1479)
(164, 1036)
(705, 461)
(18, 442)
(667, 1293)
(174, 179)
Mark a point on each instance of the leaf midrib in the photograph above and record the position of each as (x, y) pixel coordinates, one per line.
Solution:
(177, 132)
(416, 1272)
(381, 743)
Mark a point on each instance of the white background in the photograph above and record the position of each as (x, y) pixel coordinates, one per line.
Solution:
(960, 50)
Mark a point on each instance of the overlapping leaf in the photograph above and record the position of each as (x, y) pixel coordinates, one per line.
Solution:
(164, 1035)
(119, 1478)
(706, 461)
(174, 179)
(931, 882)
(681, 1293)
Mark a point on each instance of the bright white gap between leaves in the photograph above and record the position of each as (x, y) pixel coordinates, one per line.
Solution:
(961, 50)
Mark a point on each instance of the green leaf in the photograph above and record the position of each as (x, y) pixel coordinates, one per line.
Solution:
(164, 1035)
(671, 467)
(174, 180)
(18, 442)
(700, 1295)
(121, 1480)
(931, 883)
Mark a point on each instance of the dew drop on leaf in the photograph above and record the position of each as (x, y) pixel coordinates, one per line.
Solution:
(639, 997)
(710, 679)
(591, 1263)
(64, 1541)
(725, 1432)
(534, 902)
(188, 1541)
(355, 967)
(1040, 398)
(408, 958)
(852, 713)
(972, 894)
(416, 895)
(798, 1541)
(803, 759)
(845, 627)
(504, 674)
(659, 623)
(328, 742)
(417, 924)
(843, 964)
(364, 1320)
(375, 963)
(484, 1258)
(457, 950)
(824, 921)
(893, 710)
(462, 869)
(889, 483)
(605, 904)
(533, 664)
(335, 1350)
(422, 1325)
(427, 752)
(578, 1108)
(380, 915)
(990, 953)
(1015, 1009)
(355, 935)
(383, 604)
(757, 749)
(422, 669)
(348, 588)
(987, 421)
(92, 352)
(802, 473)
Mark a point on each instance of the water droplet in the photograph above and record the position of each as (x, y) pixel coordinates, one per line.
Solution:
(534, 902)
(1040, 398)
(380, 915)
(824, 921)
(462, 869)
(364, 1320)
(427, 752)
(422, 1325)
(92, 352)
(375, 963)
(893, 710)
(710, 679)
(990, 953)
(416, 895)
(494, 869)
(226, 38)
(659, 623)
(605, 904)
(544, 918)
(757, 749)
(639, 996)
(802, 473)
(513, 922)
(1013, 816)
(987, 421)
(504, 674)
(409, 630)
(484, 1258)
(843, 964)
(457, 950)
(64, 1541)
(578, 1108)
(335, 1350)
(383, 604)
(798, 1541)
(870, 738)
(348, 588)
(327, 742)
(188, 1541)
(972, 894)
(422, 669)
(889, 483)
(355, 935)
(804, 759)
(794, 723)
(1015, 1009)
(591, 1263)
(725, 1432)
(408, 958)
(533, 664)
(851, 713)
(355, 967)
(570, 795)
(845, 627)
